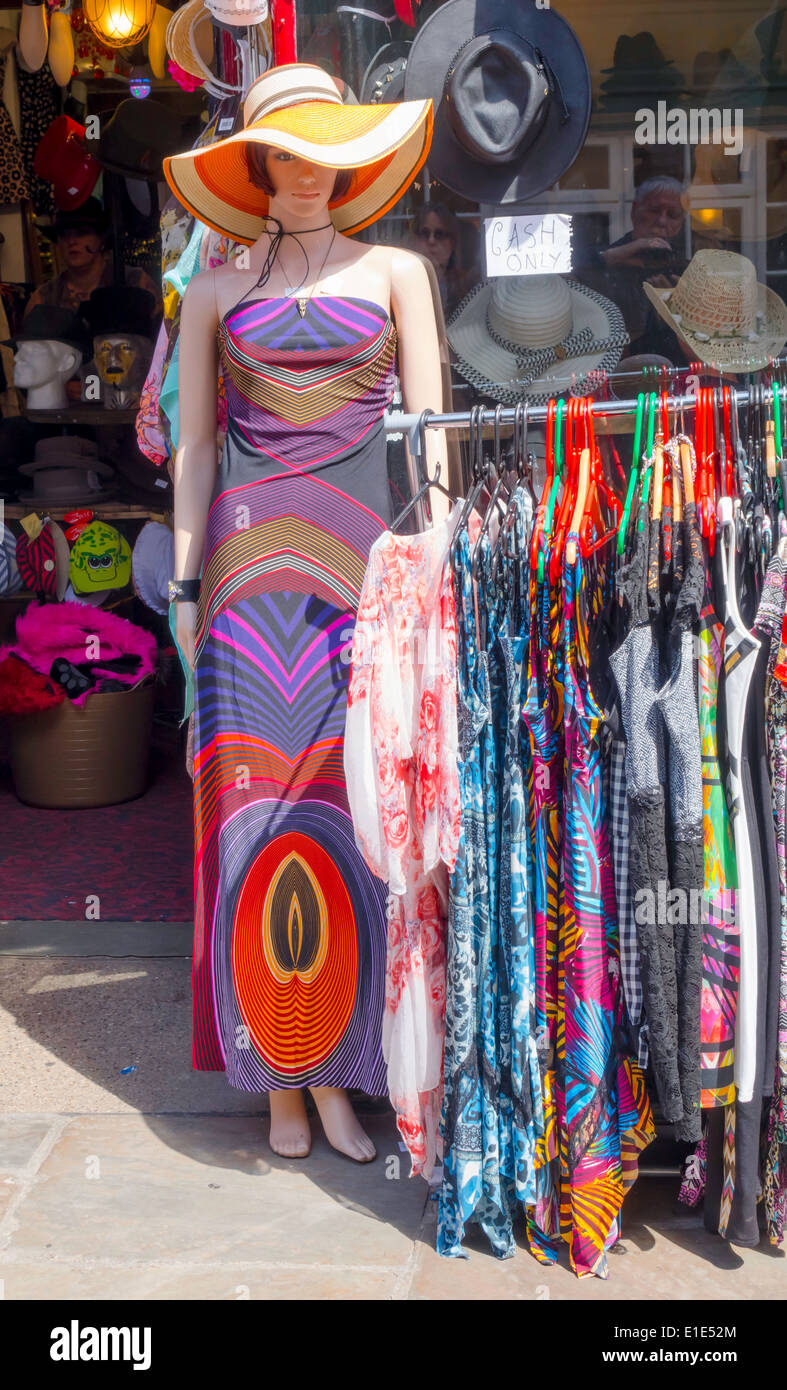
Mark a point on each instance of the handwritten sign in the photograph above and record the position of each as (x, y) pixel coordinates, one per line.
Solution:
(528, 244)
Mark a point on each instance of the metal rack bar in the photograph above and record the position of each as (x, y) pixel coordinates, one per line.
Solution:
(404, 422)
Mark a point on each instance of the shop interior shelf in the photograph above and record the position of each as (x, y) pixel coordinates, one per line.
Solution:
(14, 511)
(84, 414)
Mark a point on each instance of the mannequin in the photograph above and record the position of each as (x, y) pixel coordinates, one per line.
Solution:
(42, 367)
(333, 267)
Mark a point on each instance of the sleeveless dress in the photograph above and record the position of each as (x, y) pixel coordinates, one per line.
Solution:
(290, 925)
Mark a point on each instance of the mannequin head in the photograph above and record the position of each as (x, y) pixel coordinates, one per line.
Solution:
(121, 359)
(297, 188)
(39, 361)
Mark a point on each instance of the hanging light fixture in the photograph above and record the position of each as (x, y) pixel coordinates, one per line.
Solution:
(119, 23)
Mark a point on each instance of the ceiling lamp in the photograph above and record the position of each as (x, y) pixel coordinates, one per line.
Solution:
(119, 23)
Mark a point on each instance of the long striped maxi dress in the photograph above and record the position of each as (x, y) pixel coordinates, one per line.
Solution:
(290, 928)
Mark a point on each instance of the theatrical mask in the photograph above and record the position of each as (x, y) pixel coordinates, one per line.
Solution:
(100, 559)
(121, 360)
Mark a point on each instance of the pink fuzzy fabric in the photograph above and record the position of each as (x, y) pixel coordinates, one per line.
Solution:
(48, 630)
(184, 79)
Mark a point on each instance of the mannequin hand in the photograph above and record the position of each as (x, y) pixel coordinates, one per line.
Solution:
(185, 628)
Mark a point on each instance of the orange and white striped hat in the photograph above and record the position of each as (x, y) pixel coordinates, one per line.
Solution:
(298, 107)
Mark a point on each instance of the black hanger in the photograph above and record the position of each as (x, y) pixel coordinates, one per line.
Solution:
(478, 477)
(428, 482)
(499, 471)
(500, 548)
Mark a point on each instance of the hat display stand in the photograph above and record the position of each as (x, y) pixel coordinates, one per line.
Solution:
(80, 756)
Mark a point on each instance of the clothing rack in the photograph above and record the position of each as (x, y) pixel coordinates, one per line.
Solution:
(411, 424)
(407, 423)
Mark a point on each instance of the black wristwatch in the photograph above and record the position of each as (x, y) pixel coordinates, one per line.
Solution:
(183, 590)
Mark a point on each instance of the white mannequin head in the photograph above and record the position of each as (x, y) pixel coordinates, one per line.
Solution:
(42, 366)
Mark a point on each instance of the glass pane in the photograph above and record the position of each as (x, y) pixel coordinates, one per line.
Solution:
(716, 228)
(589, 170)
(776, 171)
(776, 245)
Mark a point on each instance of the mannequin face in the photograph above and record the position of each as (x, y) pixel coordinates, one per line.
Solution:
(38, 362)
(302, 189)
(120, 357)
(80, 249)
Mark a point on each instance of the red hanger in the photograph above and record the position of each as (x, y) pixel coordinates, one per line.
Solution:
(573, 451)
(728, 458)
(706, 485)
(538, 524)
(593, 527)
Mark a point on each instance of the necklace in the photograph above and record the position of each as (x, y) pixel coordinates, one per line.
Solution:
(303, 301)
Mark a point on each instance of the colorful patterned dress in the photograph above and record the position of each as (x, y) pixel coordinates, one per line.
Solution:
(602, 1114)
(290, 928)
(400, 760)
(720, 935)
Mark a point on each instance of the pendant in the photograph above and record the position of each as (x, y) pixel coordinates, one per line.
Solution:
(303, 304)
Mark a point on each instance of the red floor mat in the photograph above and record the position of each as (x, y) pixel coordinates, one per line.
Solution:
(136, 858)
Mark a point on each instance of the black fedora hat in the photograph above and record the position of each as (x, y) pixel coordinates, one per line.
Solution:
(89, 216)
(383, 80)
(638, 53)
(50, 323)
(120, 309)
(512, 94)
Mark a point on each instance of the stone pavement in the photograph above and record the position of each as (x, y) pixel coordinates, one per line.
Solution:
(157, 1183)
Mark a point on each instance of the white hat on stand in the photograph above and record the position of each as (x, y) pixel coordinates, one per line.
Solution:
(532, 337)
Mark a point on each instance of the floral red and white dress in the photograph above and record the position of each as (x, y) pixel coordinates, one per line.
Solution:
(400, 763)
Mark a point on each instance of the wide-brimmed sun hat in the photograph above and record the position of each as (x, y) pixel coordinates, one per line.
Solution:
(298, 108)
(512, 94)
(729, 320)
(531, 337)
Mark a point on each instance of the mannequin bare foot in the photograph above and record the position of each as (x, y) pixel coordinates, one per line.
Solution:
(342, 1129)
(290, 1135)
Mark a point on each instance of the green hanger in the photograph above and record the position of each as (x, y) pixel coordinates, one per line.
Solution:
(643, 510)
(624, 521)
(557, 480)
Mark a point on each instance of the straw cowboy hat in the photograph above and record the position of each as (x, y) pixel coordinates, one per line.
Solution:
(728, 318)
(298, 108)
(531, 337)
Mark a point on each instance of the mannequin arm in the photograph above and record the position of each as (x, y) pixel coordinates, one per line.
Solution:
(419, 359)
(195, 461)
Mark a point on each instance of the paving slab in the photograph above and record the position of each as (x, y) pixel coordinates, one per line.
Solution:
(20, 1138)
(238, 1283)
(664, 1254)
(123, 1192)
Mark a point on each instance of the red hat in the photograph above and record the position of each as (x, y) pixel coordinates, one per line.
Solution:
(406, 9)
(61, 159)
(43, 559)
